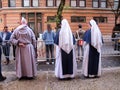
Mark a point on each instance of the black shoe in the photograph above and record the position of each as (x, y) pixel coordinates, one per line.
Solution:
(2, 78)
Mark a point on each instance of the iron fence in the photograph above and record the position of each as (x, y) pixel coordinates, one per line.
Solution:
(111, 47)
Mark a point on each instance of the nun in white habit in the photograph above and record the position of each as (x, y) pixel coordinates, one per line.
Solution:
(92, 51)
(65, 66)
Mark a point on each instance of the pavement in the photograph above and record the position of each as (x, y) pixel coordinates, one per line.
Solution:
(46, 80)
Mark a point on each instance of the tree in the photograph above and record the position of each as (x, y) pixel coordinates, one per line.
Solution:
(115, 10)
(59, 12)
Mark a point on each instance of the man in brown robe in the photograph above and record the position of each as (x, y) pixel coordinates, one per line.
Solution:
(24, 39)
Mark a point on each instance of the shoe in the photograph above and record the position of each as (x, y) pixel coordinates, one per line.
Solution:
(47, 63)
(2, 78)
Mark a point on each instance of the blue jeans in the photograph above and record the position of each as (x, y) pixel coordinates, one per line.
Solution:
(80, 48)
(50, 51)
(6, 51)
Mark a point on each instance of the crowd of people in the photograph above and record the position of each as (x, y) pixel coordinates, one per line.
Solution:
(24, 41)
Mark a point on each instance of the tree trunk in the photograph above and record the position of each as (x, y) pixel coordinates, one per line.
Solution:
(59, 13)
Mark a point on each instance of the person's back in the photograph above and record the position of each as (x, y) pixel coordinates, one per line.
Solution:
(79, 33)
(25, 41)
(79, 38)
(48, 36)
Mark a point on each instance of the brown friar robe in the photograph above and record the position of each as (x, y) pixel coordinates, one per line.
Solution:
(25, 56)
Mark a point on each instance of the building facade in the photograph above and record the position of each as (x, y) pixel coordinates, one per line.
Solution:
(40, 12)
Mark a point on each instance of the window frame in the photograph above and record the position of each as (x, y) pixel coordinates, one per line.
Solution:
(53, 19)
(53, 4)
(30, 3)
(98, 19)
(76, 18)
(24, 4)
(33, 4)
(77, 2)
(10, 4)
(99, 3)
(56, 3)
(116, 1)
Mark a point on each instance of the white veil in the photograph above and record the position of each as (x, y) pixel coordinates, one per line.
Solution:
(65, 37)
(96, 36)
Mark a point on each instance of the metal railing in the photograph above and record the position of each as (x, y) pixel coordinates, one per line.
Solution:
(108, 49)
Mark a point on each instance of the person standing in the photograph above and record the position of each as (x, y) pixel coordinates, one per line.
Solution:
(65, 66)
(5, 44)
(92, 51)
(25, 41)
(79, 37)
(2, 78)
(48, 36)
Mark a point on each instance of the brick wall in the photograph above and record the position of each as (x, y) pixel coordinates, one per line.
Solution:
(13, 15)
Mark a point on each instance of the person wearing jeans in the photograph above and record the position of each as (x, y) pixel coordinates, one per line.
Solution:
(5, 44)
(48, 37)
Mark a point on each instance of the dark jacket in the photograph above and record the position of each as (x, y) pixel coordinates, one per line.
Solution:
(7, 36)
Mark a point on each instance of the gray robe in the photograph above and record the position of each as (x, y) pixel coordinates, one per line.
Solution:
(24, 56)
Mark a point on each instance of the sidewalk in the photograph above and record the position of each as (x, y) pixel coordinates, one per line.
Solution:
(45, 80)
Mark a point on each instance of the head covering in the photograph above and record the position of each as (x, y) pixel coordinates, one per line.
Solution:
(23, 24)
(23, 21)
(65, 37)
(96, 36)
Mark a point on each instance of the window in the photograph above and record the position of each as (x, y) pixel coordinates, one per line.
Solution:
(78, 19)
(50, 3)
(95, 3)
(50, 18)
(26, 3)
(116, 3)
(23, 15)
(103, 4)
(99, 3)
(53, 3)
(73, 3)
(34, 21)
(30, 3)
(82, 3)
(77, 3)
(58, 2)
(12, 3)
(100, 19)
(35, 3)
(0, 4)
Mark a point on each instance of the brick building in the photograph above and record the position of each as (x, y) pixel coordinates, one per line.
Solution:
(40, 12)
